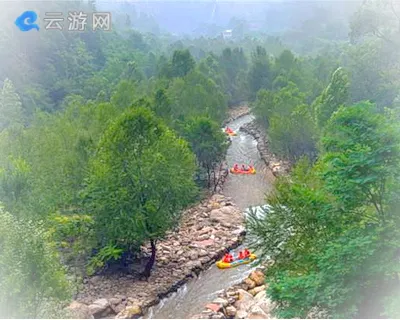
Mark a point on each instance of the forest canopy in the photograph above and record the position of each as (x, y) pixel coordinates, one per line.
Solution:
(106, 137)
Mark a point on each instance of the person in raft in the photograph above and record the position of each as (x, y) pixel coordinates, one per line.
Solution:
(241, 255)
(228, 258)
(236, 167)
(246, 253)
(244, 167)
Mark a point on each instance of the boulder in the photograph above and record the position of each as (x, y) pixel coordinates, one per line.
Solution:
(215, 205)
(196, 264)
(119, 307)
(230, 311)
(249, 284)
(115, 301)
(132, 312)
(262, 295)
(205, 260)
(99, 307)
(224, 215)
(231, 293)
(258, 277)
(245, 301)
(120, 296)
(79, 311)
(258, 289)
(265, 304)
(239, 231)
(214, 307)
(218, 315)
(205, 230)
(257, 313)
(221, 301)
(241, 314)
(203, 237)
(202, 253)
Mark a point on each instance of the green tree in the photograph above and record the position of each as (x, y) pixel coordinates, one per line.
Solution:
(293, 136)
(335, 95)
(182, 63)
(362, 156)
(196, 95)
(124, 94)
(332, 228)
(208, 144)
(260, 74)
(33, 282)
(142, 175)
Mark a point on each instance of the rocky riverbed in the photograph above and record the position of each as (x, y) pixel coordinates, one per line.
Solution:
(277, 166)
(245, 300)
(236, 112)
(205, 232)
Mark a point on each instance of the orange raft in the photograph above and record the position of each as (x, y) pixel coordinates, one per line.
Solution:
(251, 171)
(230, 132)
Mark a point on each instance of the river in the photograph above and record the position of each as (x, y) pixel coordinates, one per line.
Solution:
(246, 191)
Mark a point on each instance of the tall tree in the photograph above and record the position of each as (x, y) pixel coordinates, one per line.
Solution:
(182, 63)
(335, 95)
(260, 74)
(142, 175)
(208, 144)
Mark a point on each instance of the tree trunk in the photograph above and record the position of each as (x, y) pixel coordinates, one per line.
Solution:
(150, 263)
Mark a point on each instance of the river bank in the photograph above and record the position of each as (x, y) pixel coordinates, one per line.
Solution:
(235, 113)
(245, 300)
(277, 166)
(205, 232)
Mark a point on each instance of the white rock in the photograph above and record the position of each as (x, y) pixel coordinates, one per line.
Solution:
(221, 301)
(115, 301)
(262, 295)
(245, 301)
(202, 253)
(230, 311)
(79, 311)
(257, 313)
(241, 314)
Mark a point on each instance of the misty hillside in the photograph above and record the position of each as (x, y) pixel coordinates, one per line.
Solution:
(246, 154)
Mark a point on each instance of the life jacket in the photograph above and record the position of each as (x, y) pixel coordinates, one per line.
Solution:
(246, 253)
(230, 257)
(241, 255)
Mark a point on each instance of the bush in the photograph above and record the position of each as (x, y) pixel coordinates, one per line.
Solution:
(32, 281)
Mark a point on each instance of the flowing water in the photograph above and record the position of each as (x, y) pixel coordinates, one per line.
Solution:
(246, 191)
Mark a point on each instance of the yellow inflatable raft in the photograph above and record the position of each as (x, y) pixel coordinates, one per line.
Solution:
(224, 265)
(252, 171)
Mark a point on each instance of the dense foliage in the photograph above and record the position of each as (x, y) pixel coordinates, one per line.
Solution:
(107, 136)
(332, 226)
(141, 176)
(32, 279)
